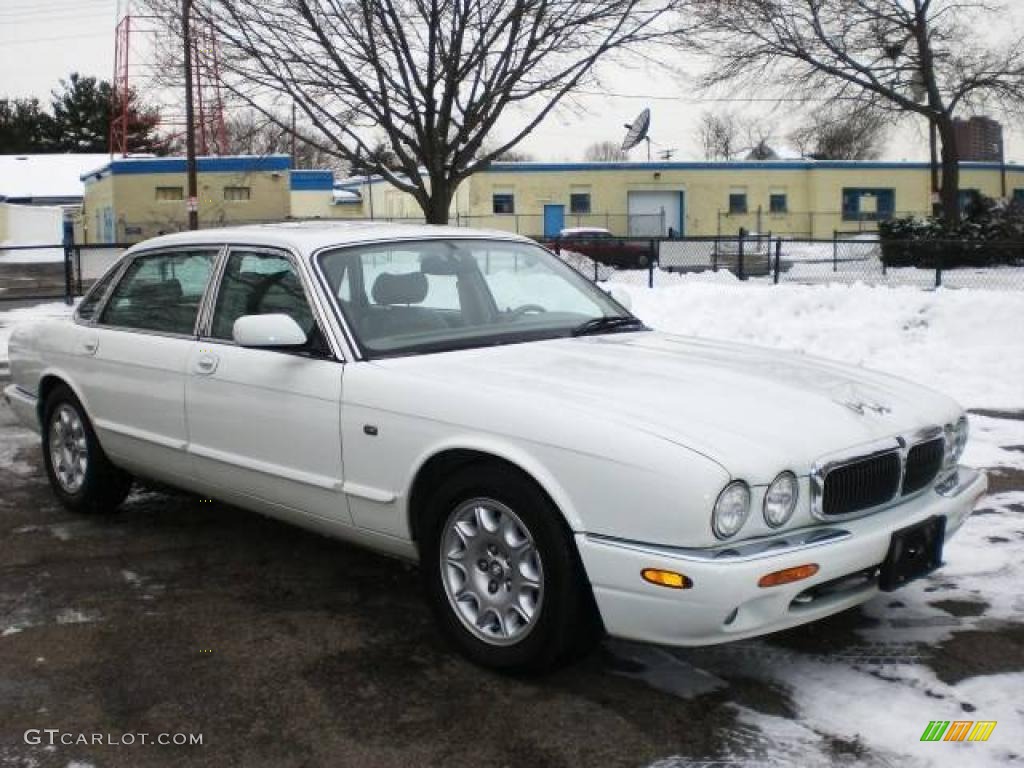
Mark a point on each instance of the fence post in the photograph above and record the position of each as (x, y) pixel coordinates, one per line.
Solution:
(650, 265)
(78, 270)
(741, 273)
(835, 250)
(69, 254)
(778, 260)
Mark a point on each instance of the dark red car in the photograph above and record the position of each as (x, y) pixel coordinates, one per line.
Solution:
(605, 248)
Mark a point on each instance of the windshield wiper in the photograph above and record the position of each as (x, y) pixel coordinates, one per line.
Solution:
(606, 324)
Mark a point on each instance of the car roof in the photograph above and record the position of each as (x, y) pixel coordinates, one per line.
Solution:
(309, 236)
(584, 231)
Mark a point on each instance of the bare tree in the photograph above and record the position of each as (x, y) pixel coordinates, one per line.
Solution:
(842, 134)
(605, 152)
(719, 136)
(432, 78)
(726, 136)
(911, 57)
(514, 156)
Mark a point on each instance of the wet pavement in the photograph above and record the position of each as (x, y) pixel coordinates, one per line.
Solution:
(283, 648)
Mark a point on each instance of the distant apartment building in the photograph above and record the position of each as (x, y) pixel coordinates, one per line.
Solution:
(979, 139)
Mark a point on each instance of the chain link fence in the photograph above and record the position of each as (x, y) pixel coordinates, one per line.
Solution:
(844, 260)
(66, 270)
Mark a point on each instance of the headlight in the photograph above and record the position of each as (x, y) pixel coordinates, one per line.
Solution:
(731, 510)
(956, 441)
(780, 500)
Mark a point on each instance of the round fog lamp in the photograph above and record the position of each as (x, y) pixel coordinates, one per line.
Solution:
(731, 510)
(780, 500)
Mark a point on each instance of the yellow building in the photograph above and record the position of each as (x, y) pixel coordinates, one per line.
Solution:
(131, 199)
(798, 198)
(128, 200)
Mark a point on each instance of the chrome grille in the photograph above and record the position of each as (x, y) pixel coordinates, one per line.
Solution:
(861, 484)
(924, 462)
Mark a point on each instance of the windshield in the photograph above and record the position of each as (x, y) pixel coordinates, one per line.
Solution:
(411, 297)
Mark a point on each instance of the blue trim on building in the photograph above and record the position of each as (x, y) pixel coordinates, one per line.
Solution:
(239, 164)
(312, 181)
(741, 165)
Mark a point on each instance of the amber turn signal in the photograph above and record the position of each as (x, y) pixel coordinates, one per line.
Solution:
(788, 576)
(669, 579)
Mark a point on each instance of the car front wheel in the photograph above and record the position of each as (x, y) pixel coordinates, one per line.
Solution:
(503, 576)
(80, 473)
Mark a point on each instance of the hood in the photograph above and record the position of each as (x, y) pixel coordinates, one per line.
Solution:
(755, 411)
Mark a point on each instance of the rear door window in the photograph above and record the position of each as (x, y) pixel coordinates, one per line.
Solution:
(161, 292)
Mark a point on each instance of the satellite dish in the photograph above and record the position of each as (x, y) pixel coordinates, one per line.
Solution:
(637, 131)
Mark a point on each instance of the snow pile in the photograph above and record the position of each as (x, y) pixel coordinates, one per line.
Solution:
(967, 344)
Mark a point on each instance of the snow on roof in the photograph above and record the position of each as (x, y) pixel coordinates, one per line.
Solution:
(347, 195)
(46, 176)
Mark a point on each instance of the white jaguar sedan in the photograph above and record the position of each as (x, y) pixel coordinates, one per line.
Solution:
(465, 400)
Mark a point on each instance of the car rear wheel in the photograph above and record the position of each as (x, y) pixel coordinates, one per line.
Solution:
(503, 576)
(81, 475)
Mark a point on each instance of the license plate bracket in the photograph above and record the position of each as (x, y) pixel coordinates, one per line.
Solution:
(914, 552)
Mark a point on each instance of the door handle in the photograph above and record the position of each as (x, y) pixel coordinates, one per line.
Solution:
(206, 364)
(90, 346)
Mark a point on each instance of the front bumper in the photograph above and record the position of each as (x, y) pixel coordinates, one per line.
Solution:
(23, 404)
(725, 602)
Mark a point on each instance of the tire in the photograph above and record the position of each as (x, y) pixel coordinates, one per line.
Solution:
(81, 475)
(546, 608)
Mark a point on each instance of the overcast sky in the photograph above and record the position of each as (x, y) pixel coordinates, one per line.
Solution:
(42, 41)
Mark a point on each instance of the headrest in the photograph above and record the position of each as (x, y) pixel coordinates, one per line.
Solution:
(408, 288)
(157, 290)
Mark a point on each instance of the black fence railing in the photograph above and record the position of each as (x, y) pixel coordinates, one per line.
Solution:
(54, 270)
(841, 259)
(66, 270)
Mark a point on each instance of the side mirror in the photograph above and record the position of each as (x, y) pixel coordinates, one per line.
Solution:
(268, 332)
(621, 296)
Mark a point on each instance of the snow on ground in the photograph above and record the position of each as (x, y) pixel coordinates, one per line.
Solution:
(968, 344)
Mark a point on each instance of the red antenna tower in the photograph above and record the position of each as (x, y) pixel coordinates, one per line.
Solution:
(208, 97)
(207, 92)
(121, 90)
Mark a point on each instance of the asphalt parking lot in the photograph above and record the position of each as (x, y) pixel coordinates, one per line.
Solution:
(283, 648)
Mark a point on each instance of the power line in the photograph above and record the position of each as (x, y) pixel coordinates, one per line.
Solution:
(24, 40)
(700, 99)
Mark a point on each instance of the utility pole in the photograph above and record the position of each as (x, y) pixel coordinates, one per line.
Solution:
(933, 139)
(192, 203)
(294, 164)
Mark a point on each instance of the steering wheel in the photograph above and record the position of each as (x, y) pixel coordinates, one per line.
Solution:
(523, 309)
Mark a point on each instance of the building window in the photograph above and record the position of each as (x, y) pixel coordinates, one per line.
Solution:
(777, 202)
(868, 204)
(504, 202)
(1018, 195)
(737, 202)
(237, 194)
(579, 202)
(170, 193)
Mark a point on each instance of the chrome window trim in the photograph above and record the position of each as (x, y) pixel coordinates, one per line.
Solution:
(130, 257)
(204, 328)
(899, 444)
